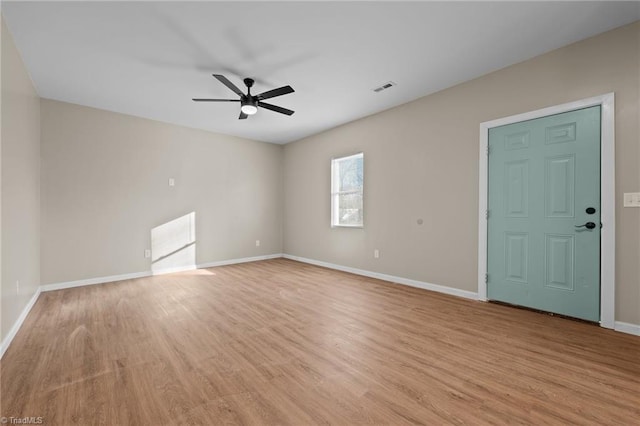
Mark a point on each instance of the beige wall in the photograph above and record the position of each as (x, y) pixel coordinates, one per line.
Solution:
(20, 185)
(421, 162)
(105, 187)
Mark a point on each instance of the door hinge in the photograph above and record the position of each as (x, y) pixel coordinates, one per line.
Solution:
(486, 214)
(488, 149)
(486, 278)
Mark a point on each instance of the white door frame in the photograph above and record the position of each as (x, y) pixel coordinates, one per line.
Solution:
(607, 194)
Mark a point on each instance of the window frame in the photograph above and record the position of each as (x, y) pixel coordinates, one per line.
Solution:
(335, 193)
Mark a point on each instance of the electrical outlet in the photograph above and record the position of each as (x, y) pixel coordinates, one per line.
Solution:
(257, 243)
(147, 253)
(376, 254)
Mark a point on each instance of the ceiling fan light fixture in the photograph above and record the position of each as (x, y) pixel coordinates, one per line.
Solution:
(249, 108)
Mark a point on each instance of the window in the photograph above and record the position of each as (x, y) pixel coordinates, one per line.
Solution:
(347, 175)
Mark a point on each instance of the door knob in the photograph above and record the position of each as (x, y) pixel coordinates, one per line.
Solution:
(588, 225)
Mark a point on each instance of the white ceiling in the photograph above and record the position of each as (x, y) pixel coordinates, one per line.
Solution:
(149, 59)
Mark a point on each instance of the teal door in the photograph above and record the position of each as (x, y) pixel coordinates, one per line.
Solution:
(544, 214)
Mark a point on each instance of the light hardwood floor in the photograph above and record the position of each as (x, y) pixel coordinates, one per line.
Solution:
(280, 342)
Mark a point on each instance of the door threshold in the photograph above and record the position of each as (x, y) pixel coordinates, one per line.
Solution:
(551, 314)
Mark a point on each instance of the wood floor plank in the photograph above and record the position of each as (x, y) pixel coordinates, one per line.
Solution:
(281, 342)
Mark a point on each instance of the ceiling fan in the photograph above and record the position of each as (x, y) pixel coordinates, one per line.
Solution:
(249, 103)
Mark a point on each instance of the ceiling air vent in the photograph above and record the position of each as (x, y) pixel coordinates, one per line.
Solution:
(385, 86)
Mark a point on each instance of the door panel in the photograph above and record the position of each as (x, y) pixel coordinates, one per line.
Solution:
(560, 182)
(516, 188)
(543, 175)
(559, 261)
(516, 256)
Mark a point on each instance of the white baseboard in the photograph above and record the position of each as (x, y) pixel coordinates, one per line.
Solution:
(92, 281)
(131, 276)
(625, 327)
(16, 326)
(397, 280)
(240, 260)
(174, 270)
(217, 263)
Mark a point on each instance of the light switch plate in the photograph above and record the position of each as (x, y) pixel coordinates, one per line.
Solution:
(172, 182)
(632, 199)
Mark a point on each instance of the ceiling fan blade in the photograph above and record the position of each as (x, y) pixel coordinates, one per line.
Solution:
(275, 108)
(222, 79)
(215, 100)
(243, 116)
(276, 92)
